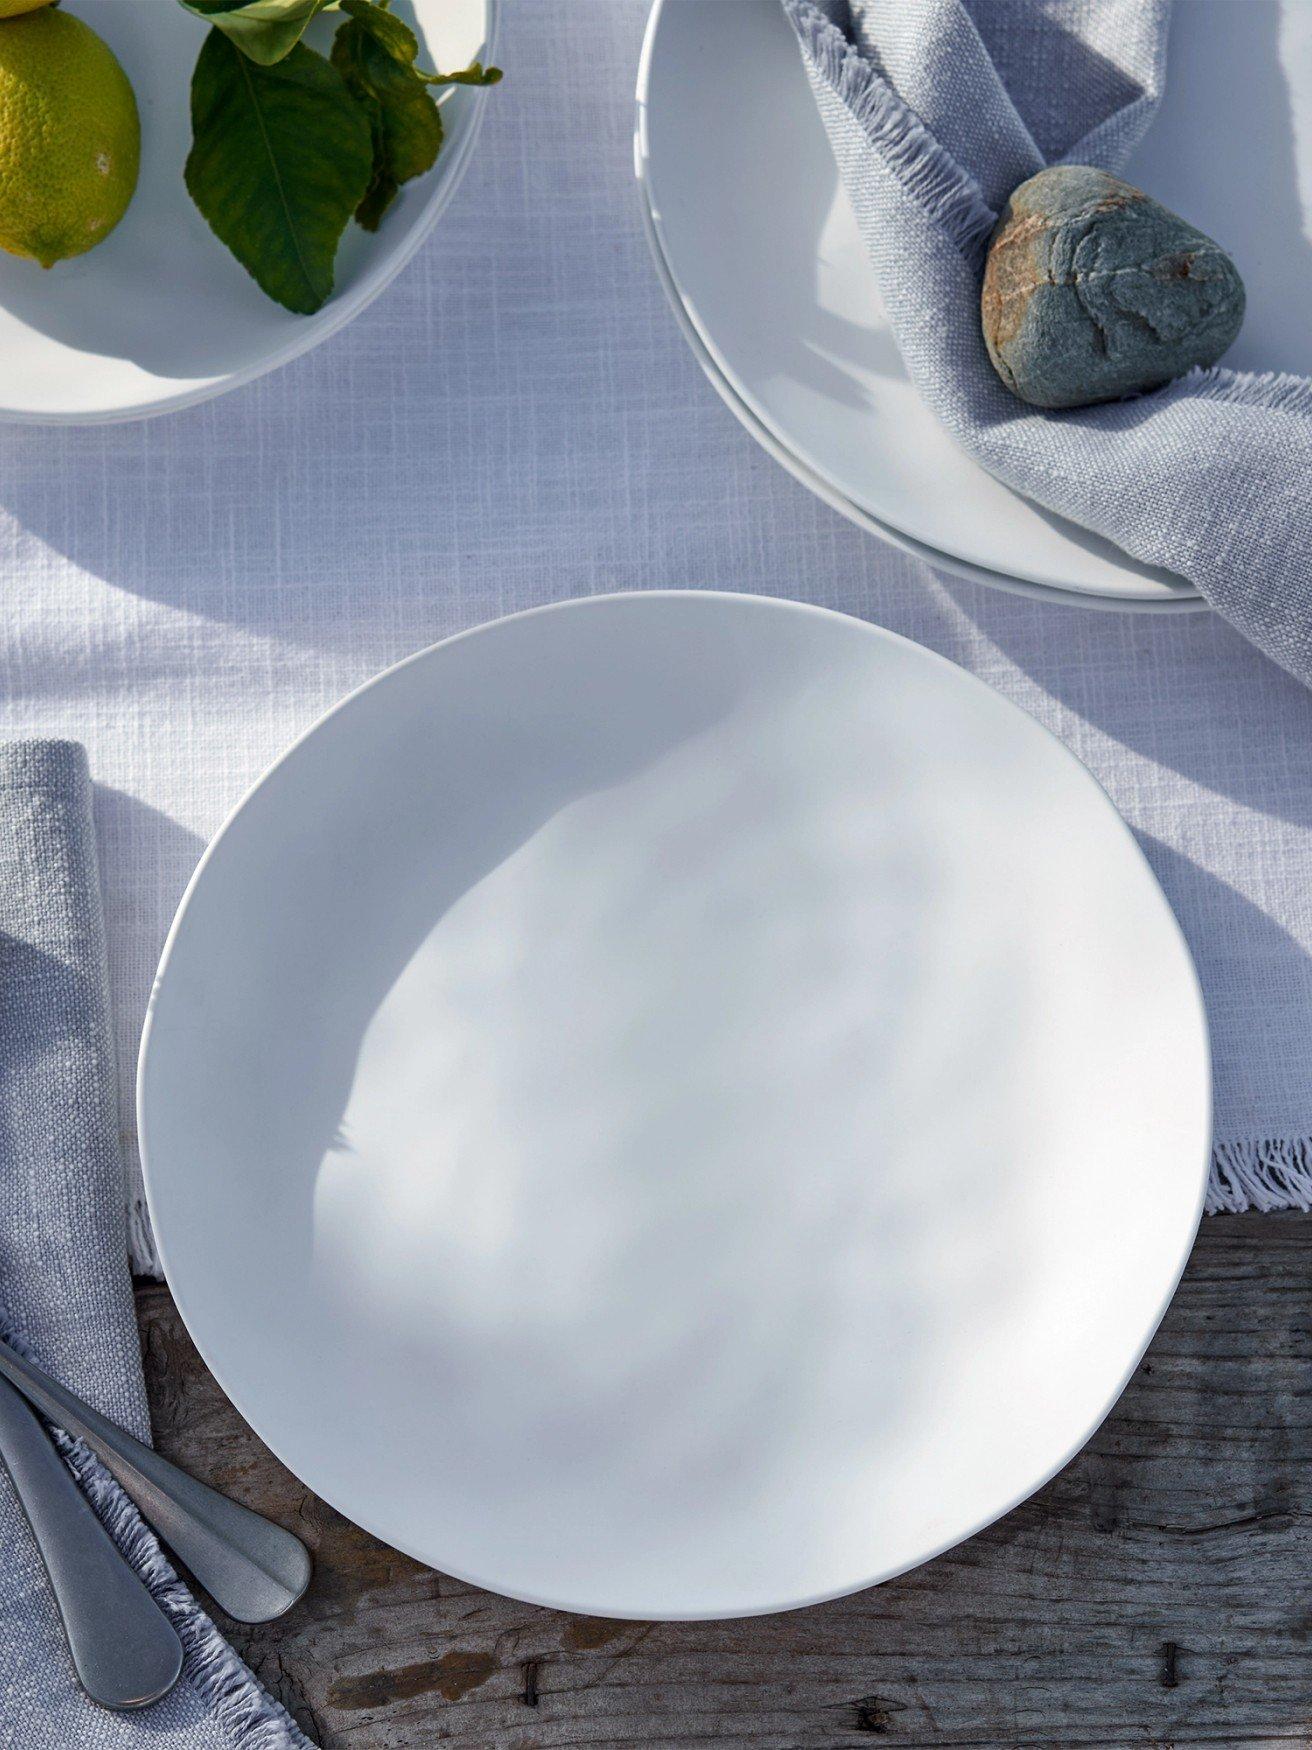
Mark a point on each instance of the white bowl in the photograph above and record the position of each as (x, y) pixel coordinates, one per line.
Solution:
(160, 315)
(674, 1105)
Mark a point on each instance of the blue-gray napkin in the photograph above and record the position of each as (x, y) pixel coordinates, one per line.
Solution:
(936, 110)
(64, 1279)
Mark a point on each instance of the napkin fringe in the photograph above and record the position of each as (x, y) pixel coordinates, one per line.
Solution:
(1263, 1175)
(1278, 391)
(948, 195)
(141, 1239)
(249, 1715)
(252, 1717)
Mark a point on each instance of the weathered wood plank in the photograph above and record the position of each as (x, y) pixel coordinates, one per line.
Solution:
(1157, 1592)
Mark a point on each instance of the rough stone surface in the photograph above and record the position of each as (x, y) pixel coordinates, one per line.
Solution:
(1092, 291)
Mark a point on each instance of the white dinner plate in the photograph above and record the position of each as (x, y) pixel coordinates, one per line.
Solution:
(759, 246)
(674, 1105)
(160, 315)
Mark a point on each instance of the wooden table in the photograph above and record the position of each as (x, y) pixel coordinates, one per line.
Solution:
(1156, 1593)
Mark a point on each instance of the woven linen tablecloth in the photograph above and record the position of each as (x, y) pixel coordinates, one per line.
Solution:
(517, 419)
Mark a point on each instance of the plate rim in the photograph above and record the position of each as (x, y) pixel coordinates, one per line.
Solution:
(344, 309)
(1188, 598)
(1098, 796)
(965, 569)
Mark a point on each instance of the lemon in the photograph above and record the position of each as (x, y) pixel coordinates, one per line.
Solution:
(70, 141)
(11, 8)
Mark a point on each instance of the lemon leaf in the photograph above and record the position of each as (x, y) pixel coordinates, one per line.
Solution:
(474, 74)
(264, 30)
(405, 126)
(281, 156)
(387, 30)
(402, 44)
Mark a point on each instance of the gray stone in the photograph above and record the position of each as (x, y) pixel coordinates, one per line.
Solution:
(1093, 291)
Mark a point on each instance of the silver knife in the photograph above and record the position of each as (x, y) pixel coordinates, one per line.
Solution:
(125, 1651)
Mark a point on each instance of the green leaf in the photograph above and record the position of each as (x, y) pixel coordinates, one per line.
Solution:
(405, 125)
(474, 74)
(264, 30)
(385, 27)
(281, 156)
(403, 45)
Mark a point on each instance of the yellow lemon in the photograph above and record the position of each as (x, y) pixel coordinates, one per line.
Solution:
(70, 141)
(11, 8)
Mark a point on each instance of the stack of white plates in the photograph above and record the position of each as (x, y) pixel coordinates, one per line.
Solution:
(759, 251)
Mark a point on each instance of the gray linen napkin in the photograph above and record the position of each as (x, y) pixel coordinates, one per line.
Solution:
(64, 1275)
(936, 109)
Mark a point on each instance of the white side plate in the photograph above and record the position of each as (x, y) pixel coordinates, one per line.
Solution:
(160, 315)
(675, 1105)
(760, 248)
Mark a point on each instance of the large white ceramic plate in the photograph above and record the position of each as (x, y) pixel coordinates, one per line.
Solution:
(674, 1105)
(759, 247)
(160, 315)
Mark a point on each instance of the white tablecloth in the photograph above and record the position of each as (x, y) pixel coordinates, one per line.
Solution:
(517, 420)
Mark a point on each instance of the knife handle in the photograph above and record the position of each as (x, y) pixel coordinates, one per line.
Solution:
(125, 1650)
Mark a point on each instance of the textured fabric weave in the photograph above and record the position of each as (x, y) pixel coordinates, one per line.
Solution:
(936, 109)
(516, 420)
(64, 1273)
